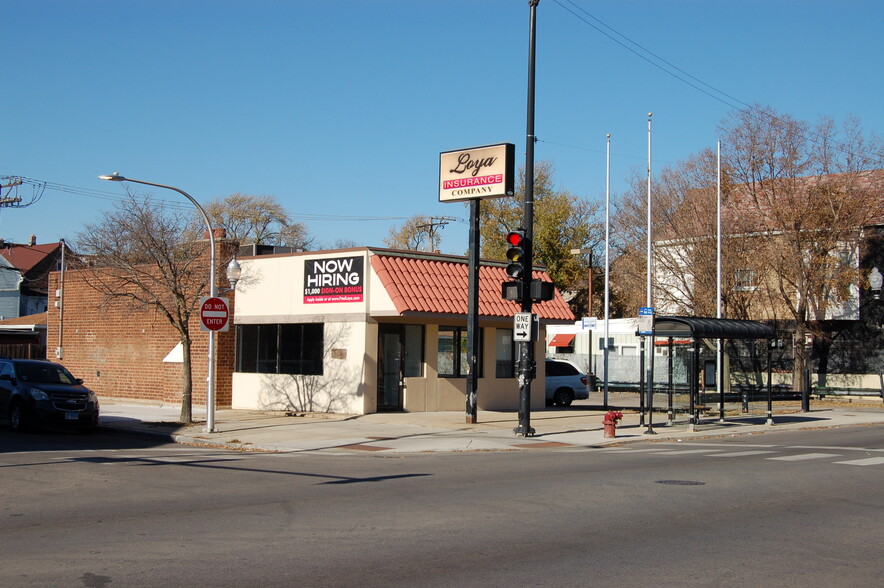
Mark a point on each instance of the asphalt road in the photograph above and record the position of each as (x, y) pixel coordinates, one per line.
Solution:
(779, 509)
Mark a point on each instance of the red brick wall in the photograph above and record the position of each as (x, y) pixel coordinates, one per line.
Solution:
(118, 350)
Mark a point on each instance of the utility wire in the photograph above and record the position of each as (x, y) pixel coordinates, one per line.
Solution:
(685, 77)
(186, 207)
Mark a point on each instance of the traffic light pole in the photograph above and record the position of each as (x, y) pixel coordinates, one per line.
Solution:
(473, 315)
(526, 348)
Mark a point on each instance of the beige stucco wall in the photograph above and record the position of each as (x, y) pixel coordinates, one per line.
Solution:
(432, 393)
(272, 290)
(342, 388)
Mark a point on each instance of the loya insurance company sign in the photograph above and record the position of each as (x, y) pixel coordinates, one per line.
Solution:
(479, 172)
(334, 279)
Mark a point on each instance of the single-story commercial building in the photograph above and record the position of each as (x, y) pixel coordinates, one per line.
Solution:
(365, 330)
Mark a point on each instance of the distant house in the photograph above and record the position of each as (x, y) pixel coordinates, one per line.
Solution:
(24, 276)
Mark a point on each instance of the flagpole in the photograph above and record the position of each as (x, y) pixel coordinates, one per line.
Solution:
(607, 262)
(650, 298)
(718, 362)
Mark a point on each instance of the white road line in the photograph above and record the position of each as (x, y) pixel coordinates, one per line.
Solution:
(687, 451)
(804, 456)
(864, 462)
(739, 453)
(619, 450)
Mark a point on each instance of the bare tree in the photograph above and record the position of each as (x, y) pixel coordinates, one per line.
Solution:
(149, 257)
(804, 194)
(685, 244)
(419, 233)
(257, 219)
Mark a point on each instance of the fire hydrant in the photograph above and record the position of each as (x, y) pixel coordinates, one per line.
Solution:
(612, 417)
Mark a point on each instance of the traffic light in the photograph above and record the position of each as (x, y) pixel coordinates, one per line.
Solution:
(512, 290)
(516, 253)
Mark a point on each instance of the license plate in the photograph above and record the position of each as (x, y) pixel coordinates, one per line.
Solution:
(71, 416)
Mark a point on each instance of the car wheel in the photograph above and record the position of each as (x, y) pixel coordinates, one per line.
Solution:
(563, 397)
(17, 419)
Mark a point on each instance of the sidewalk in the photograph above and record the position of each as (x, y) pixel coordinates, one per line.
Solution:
(394, 433)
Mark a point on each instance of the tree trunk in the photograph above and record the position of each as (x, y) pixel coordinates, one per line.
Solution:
(187, 383)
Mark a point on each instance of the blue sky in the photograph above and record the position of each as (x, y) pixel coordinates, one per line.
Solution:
(340, 108)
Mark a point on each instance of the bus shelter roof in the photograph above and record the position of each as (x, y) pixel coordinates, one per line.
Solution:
(710, 328)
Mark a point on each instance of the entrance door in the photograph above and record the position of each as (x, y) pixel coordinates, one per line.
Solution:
(390, 374)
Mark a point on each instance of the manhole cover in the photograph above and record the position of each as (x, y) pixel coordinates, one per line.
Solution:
(680, 482)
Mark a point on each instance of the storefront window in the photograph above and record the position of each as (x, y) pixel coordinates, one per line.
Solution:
(280, 349)
(505, 360)
(452, 358)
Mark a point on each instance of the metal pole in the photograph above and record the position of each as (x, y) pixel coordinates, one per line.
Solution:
(718, 362)
(641, 382)
(589, 307)
(213, 292)
(694, 374)
(769, 387)
(650, 430)
(670, 412)
(526, 348)
(59, 353)
(589, 288)
(473, 314)
(649, 294)
(607, 260)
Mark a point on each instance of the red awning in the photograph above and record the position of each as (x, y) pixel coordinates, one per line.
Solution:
(562, 340)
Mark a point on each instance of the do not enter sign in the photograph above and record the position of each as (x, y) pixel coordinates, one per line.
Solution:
(214, 315)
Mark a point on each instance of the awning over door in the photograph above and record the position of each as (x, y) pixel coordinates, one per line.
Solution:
(562, 340)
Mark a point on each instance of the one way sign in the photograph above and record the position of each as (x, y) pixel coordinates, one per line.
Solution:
(522, 326)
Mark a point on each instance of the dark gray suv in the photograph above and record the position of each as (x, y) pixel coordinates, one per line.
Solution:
(34, 392)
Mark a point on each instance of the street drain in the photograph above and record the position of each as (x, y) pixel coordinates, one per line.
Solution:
(680, 482)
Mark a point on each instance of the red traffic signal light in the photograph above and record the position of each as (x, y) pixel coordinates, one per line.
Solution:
(515, 255)
(515, 238)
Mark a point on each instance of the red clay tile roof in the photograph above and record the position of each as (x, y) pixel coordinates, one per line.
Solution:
(435, 284)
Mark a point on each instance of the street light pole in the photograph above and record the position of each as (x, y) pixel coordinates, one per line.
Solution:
(213, 292)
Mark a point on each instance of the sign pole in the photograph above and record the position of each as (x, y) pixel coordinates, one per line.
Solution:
(473, 315)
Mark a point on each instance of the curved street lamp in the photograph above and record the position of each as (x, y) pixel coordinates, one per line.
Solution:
(213, 291)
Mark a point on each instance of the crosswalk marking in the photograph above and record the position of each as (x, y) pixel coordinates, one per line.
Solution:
(864, 462)
(780, 452)
(804, 456)
(740, 453)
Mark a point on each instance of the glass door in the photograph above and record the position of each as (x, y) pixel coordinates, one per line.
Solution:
(390, 374)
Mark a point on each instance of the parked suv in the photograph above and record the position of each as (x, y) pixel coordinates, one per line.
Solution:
(564, 383)
(34, 392)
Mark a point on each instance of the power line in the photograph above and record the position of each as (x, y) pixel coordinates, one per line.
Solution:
(186, 207)
(685, 77)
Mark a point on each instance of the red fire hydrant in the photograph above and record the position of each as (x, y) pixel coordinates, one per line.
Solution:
(612, 417)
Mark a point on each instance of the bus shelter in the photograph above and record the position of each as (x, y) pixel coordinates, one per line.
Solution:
(698, 328)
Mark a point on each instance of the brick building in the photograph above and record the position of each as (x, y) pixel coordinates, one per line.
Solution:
(129, 352)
